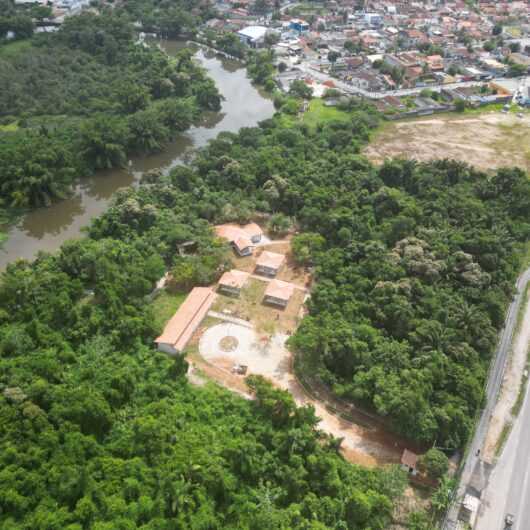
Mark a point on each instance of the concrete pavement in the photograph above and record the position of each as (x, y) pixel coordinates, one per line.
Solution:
(473, 466)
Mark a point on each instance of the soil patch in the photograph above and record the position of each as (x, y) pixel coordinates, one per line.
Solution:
(487, 141)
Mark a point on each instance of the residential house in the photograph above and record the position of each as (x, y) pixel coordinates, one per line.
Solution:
(278, 293)
(242, 238)
(269, 263)
(232, 282)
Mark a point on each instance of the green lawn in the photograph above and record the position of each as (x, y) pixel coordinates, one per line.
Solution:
(10, 127)
(12, 49)
(164, 307)
(319, 113)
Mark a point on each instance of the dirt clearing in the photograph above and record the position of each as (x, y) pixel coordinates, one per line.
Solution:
(487, 141)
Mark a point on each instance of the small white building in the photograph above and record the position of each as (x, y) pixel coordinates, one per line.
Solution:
(253, 36)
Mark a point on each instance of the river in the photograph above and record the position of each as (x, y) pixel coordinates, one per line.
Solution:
(45, 229)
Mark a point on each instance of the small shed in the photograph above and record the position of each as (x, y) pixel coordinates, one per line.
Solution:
(278, 293)
(232, 282)
(269, 263)
(409, 462)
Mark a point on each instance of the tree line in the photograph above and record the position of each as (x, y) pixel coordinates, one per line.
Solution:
(86, 98)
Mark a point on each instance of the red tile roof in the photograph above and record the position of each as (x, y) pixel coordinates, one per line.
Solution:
(189, 315)
(279, 289)
(271, 260)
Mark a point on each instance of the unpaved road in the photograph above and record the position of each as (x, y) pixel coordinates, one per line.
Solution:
(369, 446)
(487, 141)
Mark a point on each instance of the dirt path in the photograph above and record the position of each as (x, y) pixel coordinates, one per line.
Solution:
(487, 141)
(369, 446)
(502, 415)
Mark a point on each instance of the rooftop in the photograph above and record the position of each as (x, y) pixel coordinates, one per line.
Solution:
(183, 323)
(271, 260)
(409, 459)
(234, 278)
(279, 289)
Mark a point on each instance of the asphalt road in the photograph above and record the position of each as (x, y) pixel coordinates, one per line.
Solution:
(350, 89)
(470, 476)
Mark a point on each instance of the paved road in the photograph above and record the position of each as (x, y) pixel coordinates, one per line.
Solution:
(350, 89)
(473, 465)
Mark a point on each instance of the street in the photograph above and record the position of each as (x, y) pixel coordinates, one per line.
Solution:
(508, 488)
(473, 475)
(350, 89)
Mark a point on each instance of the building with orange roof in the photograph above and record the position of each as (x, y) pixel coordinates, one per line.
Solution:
(269, 263)
(185, 321)
(278, 293)
(409, 462)
(232, 282)
(242, 238)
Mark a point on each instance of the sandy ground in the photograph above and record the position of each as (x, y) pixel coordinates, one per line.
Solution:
(270, 358)
(510, 387)
(487, 141)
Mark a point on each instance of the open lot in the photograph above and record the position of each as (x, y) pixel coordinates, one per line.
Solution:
(487, 140)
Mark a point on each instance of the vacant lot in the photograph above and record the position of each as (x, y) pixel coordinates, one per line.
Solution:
(487, 140)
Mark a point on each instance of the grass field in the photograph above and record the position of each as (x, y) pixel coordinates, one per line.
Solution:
(319, 113)
(164, 307)
(7, 51)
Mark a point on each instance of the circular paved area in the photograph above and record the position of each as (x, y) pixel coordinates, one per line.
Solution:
(265, 356)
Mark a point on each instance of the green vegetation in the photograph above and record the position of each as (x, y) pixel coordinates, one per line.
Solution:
(86, 98)
(503, 437)
(435, 463)
(13, 49)
(164, 306)
(101, 431)
(319, 113)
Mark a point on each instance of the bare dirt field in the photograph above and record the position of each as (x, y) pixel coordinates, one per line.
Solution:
(270, 358)
(488, 140)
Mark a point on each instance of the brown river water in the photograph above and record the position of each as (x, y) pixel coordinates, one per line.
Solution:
(47, 228)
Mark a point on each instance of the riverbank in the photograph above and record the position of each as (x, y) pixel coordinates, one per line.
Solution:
(45, 229)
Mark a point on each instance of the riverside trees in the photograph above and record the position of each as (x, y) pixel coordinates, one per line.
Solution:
(86, 98)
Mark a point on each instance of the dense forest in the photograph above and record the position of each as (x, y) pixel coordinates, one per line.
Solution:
(85, 98)
(415, 263)
(101, 431)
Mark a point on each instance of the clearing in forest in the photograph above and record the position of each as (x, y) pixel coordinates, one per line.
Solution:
(243, 335)
(486, 140)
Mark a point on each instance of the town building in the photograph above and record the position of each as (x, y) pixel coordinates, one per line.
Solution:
(253, 36)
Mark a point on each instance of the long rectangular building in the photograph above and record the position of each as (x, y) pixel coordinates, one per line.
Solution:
(185, 321)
